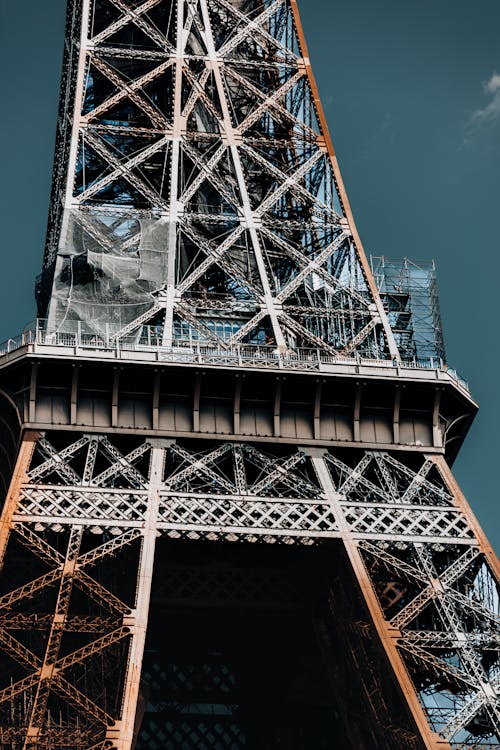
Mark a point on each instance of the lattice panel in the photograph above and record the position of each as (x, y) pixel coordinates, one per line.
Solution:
(240, 470)
(50, 697)
(90, 461)
(380, 497)
(445, 603)
(55, 505)
(410, 522)
(256, 515)
(382, 479)
(240, 490)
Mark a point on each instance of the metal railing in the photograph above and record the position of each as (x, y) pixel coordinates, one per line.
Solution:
(189, 351)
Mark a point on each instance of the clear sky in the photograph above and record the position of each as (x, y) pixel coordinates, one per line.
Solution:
(412, 93)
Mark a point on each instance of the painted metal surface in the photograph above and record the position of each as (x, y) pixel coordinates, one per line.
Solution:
(217, 365)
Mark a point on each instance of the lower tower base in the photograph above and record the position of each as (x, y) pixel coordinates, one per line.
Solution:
(197, 591)
(257, 647)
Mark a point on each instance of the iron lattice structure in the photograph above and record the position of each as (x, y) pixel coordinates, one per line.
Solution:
(229, 518)
(194, 189)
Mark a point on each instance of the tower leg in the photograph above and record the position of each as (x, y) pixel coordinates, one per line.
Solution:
(70, 647)
(388, 635)
(19, 477)
(123, 734)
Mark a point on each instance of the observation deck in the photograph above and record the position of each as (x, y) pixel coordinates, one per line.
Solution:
(80, 381)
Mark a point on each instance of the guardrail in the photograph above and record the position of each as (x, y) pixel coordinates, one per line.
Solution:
(184, 350)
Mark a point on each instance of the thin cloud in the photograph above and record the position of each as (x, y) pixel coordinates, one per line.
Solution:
(491, 110)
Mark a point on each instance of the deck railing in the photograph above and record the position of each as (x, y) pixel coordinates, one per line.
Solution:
(186, 350)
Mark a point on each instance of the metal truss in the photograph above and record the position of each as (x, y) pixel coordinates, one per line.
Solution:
(197, 204)
(238, 490)
(79, 509)
(195, 185)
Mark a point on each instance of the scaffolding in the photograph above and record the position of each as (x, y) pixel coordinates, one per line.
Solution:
(409, 292)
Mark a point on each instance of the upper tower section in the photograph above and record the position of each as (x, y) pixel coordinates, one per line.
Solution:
(196, 191)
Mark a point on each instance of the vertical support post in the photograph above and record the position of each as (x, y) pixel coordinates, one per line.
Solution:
(123, 733)
(317, 410)
(74, 394)
(196, 403)
(437, 436)
(237, 406)
(173, 219)
(277, 408)
(387, 635)
(396, 415)
(156, 401)
(357, 414)
(115, 397)
(32, 401)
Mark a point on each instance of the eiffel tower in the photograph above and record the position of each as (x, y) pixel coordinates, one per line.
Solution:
(228, 515)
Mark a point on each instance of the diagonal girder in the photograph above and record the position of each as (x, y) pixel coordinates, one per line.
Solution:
(278, 474)
(256, 27)
(38, 545)
(56, 460)
(18, 687)
(452, 573)
(122, 464)
(238, 15)
(135, 16)
(129, 89)
(268, 102)
(200, 465)
(109, 548)
(440, 666)
(18, 651)
(82, 702)
(123, 169)
(99, 593)
(30, 589)
(299, 190)
(393, 562)
(85, 652)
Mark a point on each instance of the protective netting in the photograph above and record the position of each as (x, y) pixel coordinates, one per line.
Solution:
(107, 270)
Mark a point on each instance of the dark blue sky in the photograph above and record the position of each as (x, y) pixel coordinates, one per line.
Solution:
(411, 94)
